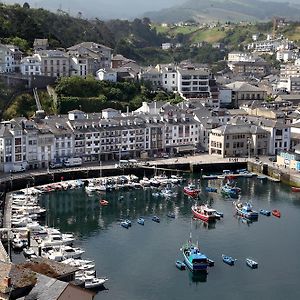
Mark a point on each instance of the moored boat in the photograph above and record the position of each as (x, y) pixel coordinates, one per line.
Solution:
(276, 213)
(228, 260)
(171, 215)
(204, 213)
(180, 265)
(210, 189)
(265, 212)
(193, 258)
(245, 210)
(124, 224)
(93, 283)
(103, 202)
(251, 263)
(141, 221)
(156, 219)
(295, 189)
(191, 190)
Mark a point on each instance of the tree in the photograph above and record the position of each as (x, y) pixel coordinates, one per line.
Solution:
(26, 5)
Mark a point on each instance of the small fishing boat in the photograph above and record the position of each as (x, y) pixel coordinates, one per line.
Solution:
(124, 224)
(210, 189)
(245, 210)
(295, 189)
(128, 222)
(156, 219)
(193, 258)
(171, 215)
(219, 215)
(204, 213)
(265, 212)
(191, 190)
(251, 263)
(261, 177)
(228, 260)
(141, 221)
(180, 265)
(276, 213)
(103, 202)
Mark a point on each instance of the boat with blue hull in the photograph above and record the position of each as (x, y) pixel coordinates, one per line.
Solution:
(246, 211)
(193, 258)
(265, 212)
(228, 260)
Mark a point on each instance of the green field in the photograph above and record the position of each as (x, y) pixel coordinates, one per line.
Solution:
(208, 35)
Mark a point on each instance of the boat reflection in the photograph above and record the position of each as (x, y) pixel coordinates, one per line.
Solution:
(198, 276)
(202, 224)
(245, 220)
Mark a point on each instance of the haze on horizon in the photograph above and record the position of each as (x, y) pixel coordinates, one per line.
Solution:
(104, 9)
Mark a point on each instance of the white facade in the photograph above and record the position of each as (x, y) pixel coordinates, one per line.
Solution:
(107, 75)
(31, 65)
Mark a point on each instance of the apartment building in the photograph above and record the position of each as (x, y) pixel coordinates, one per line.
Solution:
(10, 58)
(238, 140)
(54, 63)
(31, 66)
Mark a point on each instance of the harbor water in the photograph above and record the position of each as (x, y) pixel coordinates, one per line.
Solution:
(140, 261)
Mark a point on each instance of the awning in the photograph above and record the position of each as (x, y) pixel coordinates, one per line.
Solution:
(185, 148)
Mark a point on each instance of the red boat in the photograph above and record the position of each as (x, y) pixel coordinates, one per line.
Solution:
(103, 202)
(276, 213)
(295, 189)
(191, 190)
(204, 213)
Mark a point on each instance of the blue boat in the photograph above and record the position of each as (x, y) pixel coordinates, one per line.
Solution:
(232, 192)
(211, 189)
(155, 219)
(228, 260)
(141, 221)
(193, 258)
(245, 210)
(171, 215)
(180, 265)
(124, 224)
(265, 212)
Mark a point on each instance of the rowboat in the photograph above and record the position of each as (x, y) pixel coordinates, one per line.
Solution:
(180, 265)
(265, 212)
(295, 189)
(103, 202)
(276, 213)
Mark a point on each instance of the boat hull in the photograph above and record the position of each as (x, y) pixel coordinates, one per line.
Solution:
(295, 189)
(203, 217)
(191, 192)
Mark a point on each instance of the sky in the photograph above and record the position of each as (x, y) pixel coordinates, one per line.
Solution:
(102, 8)
(108, 9)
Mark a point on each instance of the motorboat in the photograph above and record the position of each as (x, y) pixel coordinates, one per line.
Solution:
(168, 193)
(276, 213)
(211, 262)
(64, 252)
(17, 243)
(141, 221)
(180, 265)
(204, 213)
(245, 210)
(265, 212)
(94, 283)
(191, 190)
(228, 260)
(251, 263)
(57, 240)
(28, 252)
(156, 219)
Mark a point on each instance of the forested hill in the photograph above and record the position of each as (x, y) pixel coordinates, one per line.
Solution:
(24, 24)
(61, 29)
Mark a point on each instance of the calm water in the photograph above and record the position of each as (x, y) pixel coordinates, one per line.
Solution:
(139, 262)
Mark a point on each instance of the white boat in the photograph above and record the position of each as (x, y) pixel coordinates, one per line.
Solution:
(28, 252)
(17, 243)
(145, 182)
(22, 222)
(64, 252)
(87, 273)
(94, 283)
(57, 240)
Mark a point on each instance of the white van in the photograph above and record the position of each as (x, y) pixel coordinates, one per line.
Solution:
(73, 162)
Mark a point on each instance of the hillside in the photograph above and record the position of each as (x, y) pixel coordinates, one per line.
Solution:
(225, 10)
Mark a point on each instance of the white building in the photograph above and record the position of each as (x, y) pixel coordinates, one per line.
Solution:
(10, 58)
(169, 77)
(31, 65)
(107, 74)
